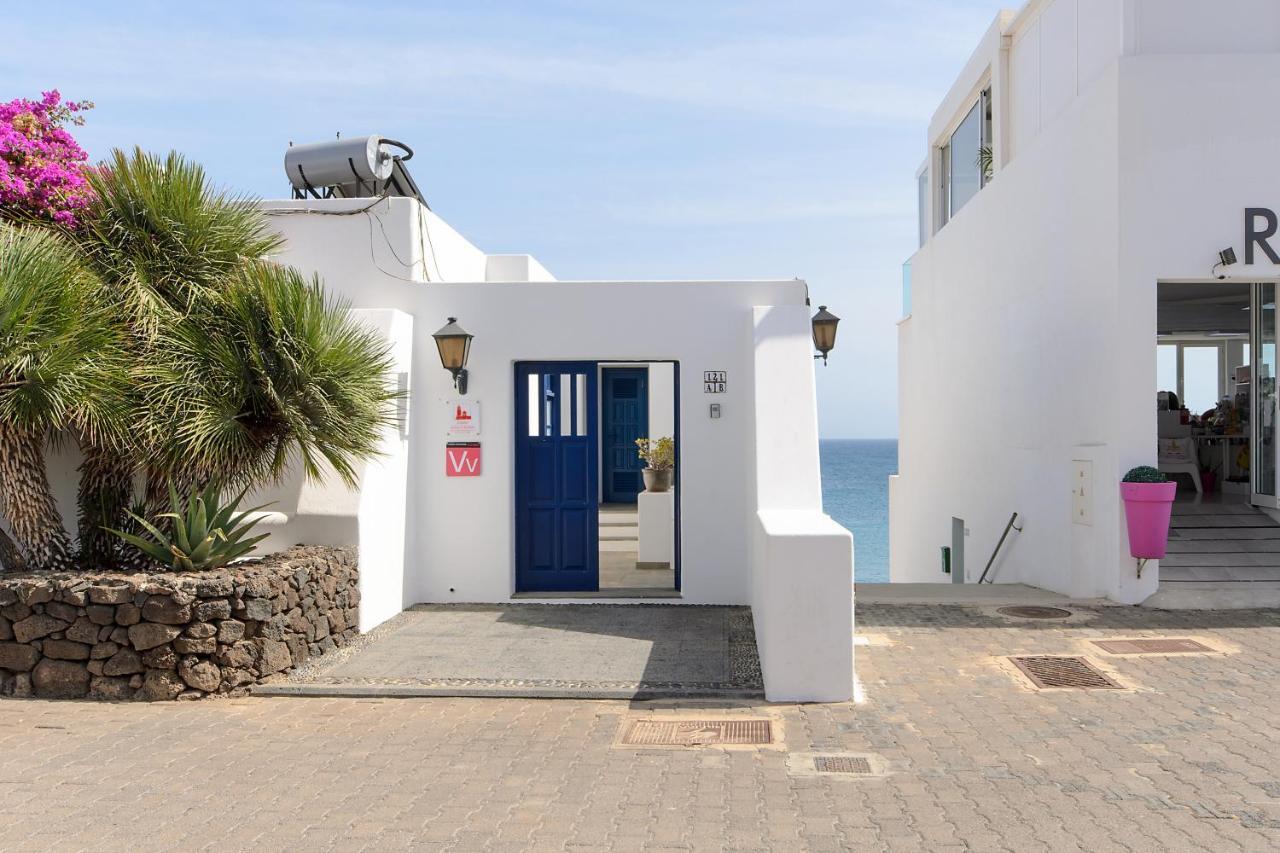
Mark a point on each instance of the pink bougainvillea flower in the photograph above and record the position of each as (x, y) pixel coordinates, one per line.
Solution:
(42, 167)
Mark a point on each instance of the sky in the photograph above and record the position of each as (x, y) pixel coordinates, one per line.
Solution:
(612, 140)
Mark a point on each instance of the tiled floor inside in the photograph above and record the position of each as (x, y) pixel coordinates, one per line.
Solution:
(619, 553)
(1221, 538)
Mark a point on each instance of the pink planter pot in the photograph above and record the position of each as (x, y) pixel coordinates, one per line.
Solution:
(1147, 508)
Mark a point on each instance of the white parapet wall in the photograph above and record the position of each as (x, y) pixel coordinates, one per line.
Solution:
(371, 515)
(802, 560)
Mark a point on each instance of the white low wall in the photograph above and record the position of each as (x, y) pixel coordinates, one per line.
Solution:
(802, 604)
(801, 560)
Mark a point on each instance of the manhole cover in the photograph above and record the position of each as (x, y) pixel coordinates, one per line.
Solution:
(1151, 647)
(1070, 672)
(841, 764)
(1033, 612)
(697, 732)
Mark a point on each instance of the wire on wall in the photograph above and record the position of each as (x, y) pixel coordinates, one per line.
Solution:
(367, 210)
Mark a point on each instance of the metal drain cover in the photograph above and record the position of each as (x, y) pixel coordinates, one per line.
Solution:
(1034, 612)
(1151, 646)
(1069, 672)
(698, 733)
(841, 764)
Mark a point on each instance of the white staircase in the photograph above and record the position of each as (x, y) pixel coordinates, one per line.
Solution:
(619, 528)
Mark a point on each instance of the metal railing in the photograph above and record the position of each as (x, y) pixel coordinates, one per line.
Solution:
(1003, 536)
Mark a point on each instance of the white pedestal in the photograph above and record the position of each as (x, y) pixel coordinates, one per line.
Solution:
(656, 513)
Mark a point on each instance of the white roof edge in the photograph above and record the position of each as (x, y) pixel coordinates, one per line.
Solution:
(1023, 16)
(983, 57)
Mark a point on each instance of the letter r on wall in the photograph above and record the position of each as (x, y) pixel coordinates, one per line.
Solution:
(1253, 237)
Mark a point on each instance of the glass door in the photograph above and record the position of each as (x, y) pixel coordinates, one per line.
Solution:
(1263, 446)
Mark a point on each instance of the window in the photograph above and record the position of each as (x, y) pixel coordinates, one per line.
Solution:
(906, 289)
(944, 185)
(922, 203)
(1199, 373)
(966, 174)
(1201, 376)
(1167, 367)
(965, 161)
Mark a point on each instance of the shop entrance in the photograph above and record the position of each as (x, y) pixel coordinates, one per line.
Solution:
(1216, 416)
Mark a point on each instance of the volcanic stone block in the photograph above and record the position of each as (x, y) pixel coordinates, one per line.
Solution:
(166, 610)
(60, 679)
(18, 657)
(148, 635)
(36, 626)
(123, 662)
(66, 650)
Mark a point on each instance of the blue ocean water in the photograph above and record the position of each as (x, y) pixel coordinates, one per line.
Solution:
(855, 492)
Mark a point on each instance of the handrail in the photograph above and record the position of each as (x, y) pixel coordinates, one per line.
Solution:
(1003, 536)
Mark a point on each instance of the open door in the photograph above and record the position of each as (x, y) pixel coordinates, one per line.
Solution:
(625, 419)
(557, 452)
(1263, 445)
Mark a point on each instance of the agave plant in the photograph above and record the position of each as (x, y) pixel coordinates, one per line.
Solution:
(61, 373)
(206, 534)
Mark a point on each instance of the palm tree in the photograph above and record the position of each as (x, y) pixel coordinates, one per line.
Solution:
(60, 371)
(163, 239)
(270, 374)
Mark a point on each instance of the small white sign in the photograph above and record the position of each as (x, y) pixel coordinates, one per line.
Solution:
(464, 417)
(714, 381)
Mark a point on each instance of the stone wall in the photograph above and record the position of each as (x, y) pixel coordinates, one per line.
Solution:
(169, 636)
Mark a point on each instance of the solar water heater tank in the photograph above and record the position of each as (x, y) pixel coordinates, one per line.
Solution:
(339, 161)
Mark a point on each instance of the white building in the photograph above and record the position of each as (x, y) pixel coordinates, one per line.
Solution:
(495, 494)
(1130, 141)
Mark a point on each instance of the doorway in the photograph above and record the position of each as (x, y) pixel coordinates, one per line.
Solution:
(557, 547)
(624, 420)
(1216, 415)
(585, 525)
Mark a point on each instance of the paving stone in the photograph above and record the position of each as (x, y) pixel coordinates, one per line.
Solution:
(976, 760)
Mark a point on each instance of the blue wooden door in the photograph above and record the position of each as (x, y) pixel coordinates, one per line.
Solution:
(557, 513)
(626, 418)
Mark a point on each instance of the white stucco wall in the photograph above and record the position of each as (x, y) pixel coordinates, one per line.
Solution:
(801, 560)
(1031, 340)
(461, 530)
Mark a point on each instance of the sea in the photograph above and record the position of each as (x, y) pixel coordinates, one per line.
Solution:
(855, 492)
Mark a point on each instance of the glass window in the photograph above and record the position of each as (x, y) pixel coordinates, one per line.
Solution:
(580, 404)
(985, 162)
(944, 185)
(1167, 367)
(922, 203)
(1200, 377)
(566, 400)
(966, 172)
(535, 403)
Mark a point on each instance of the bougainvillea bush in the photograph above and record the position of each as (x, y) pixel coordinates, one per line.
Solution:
(42, 168)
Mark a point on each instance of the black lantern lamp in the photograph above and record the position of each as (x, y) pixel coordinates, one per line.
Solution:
(454, 345)
(1226, 258)
(824, 332)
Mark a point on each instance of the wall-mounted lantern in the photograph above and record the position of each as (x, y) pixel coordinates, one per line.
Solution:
(1226, 258)
(824, 332)
(454, 345)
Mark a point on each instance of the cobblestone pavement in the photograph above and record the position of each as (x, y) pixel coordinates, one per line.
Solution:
(1184, 758)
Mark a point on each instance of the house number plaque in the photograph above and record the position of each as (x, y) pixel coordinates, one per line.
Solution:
(714, 381)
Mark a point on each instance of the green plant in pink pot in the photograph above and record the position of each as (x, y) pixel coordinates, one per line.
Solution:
(1148, 504)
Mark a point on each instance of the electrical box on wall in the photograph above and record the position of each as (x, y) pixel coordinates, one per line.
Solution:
(1082, 491)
